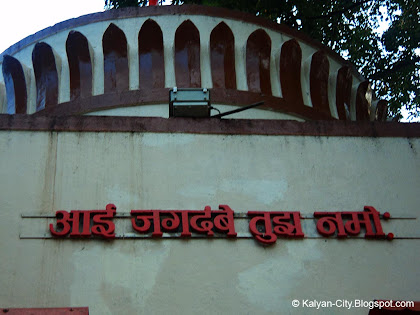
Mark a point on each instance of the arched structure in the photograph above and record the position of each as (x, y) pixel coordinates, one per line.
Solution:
(319, 75)
(187, 56)
(46, 76)
(222, 54)
(290, 72)
(115, 60)
(14, 80)
(80, 65)
(151, 59)
(127, 64)
(258, 50)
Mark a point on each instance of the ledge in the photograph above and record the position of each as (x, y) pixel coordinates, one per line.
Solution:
(208, 126)
(160, 96)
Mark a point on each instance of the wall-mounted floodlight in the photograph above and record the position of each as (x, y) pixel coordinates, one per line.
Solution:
(189, 103)
(196, 103)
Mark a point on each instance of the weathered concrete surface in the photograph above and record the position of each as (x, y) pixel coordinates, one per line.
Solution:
(43, 172)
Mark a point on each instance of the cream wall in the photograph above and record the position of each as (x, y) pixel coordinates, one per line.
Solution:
(47, 171)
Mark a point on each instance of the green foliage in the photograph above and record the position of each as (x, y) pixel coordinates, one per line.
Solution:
(117, 4)
(399, 77)
(390, 60)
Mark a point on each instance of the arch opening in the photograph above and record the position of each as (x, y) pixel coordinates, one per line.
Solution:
(187, 56)
(46, 76)
(290, 72)
(151, 58)
(80, 65)
(258, 50)
(222, 57)
(15, 83)
(114, 45)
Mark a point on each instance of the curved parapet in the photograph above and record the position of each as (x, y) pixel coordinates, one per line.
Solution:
(290, 72)
(151, 58)
(15, 83)
(80, 65)
(123, 62)
(187, 56)
(222, 55)
(258, 51)
(115, 60)
(319, 75)
(46, 76)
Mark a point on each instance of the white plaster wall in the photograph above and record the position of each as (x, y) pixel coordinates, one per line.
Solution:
(162, 110)
(46, 171)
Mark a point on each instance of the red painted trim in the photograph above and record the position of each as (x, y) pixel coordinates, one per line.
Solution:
(47, 311)
(187, 56)
(15, 83)
(209, 126)
(258, 50)
(222, 57)
(46, 76)
(290, 71)
(151, 57)
(114, 45)
(319, 81)
(80, 65)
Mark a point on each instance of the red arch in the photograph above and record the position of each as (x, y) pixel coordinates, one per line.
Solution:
(187, 55)
(320, 69)
(114, 44)
(258, 50)
(290, 71)
(381, 110)
(151, 60)
(80, 65)
(222, 57)
(14, 80)
(46, 76)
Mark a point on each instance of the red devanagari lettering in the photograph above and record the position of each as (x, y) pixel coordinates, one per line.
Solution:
(63, 223)
(334, 222)
(224, 221)
(338, 222)
(76, 223)
(144, 217)
(103, 226)
(201, 221)
(261, 225)
(204, 221)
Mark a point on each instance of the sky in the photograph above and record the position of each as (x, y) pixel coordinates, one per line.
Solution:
(19, 19)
